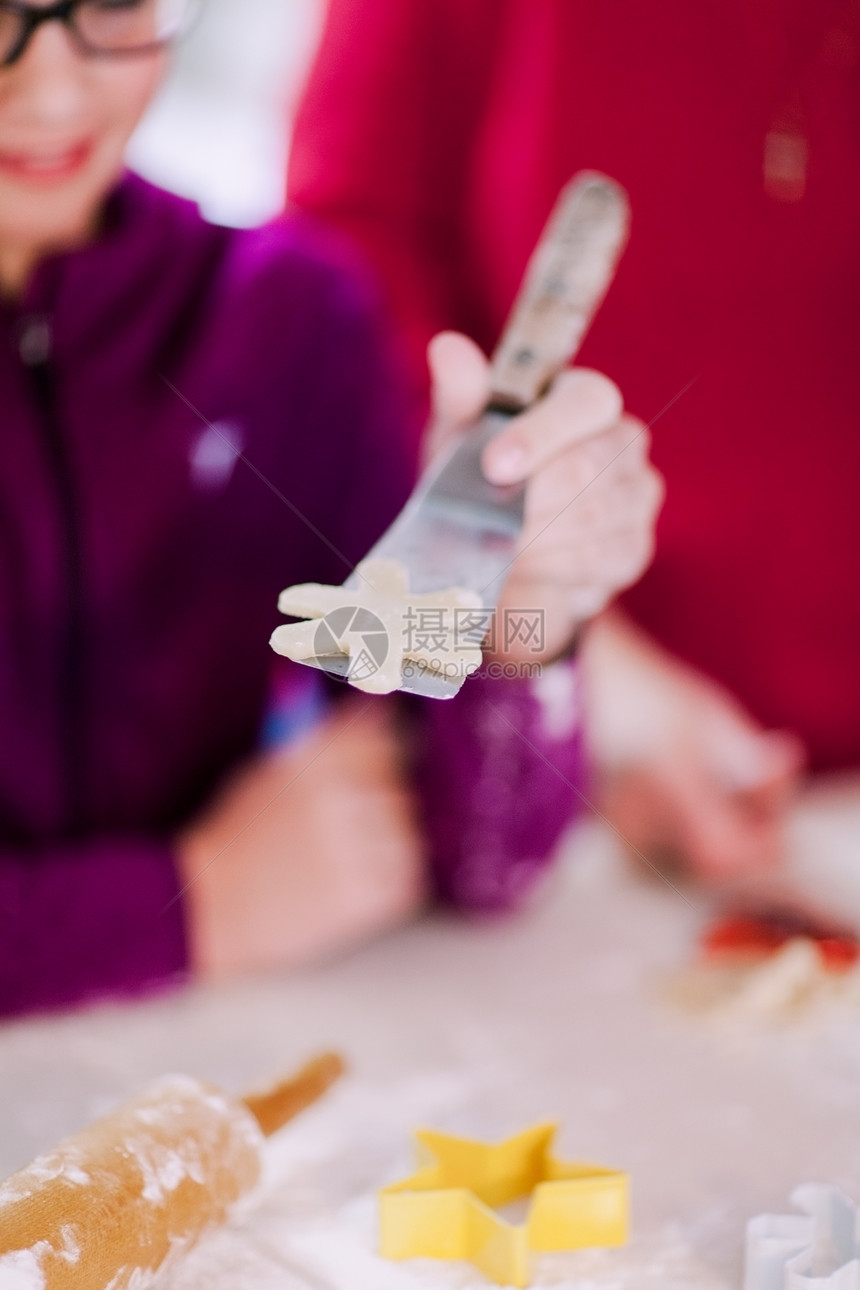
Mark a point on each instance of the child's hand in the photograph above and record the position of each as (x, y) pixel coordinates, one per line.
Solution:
(683, 773)
(592, 496)
(306, 851)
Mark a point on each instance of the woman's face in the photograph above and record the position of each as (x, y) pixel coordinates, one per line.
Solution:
(65, 120)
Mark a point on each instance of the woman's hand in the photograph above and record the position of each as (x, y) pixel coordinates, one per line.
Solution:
(685, 775)
(592, 496)
(306, 852)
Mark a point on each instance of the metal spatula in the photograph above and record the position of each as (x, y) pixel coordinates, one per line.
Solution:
(457, 529)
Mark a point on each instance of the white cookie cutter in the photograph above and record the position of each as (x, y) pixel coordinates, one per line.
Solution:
(819, 1250)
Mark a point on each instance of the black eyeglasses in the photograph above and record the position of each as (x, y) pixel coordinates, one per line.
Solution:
(99, 28)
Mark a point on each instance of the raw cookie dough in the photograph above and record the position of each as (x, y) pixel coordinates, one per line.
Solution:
(380, 624)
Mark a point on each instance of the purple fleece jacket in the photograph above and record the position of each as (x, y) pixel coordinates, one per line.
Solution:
(140, 563)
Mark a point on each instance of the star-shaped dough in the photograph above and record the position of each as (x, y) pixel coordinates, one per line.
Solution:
(379, 624)
(447, 1209)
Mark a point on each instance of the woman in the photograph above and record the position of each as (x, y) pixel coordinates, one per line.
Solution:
(733, 324)
(194, 417)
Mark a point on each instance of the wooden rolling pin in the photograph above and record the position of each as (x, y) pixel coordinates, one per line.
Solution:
(136, 1189)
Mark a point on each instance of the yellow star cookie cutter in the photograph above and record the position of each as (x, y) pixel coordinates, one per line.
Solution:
(446, 1210)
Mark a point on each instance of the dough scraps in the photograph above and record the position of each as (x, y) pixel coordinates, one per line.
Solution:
(789, 983)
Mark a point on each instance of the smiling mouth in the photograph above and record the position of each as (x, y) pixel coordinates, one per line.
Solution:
(45, 165)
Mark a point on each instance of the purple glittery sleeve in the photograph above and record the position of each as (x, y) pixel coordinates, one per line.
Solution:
(499, 773)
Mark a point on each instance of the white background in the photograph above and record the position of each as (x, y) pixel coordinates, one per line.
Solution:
(219, 131)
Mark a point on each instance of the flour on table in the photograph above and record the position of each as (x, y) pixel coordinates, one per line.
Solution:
(23, 1269)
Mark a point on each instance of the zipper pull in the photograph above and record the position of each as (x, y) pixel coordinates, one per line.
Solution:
(34, 340)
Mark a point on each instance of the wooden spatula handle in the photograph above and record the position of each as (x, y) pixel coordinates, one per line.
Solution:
(564, 285)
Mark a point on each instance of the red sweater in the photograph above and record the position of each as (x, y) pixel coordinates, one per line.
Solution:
(438, 132)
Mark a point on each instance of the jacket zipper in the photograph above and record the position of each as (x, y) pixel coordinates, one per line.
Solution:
(35, 352)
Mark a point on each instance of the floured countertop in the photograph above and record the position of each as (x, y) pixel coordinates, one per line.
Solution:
(484, 1029)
